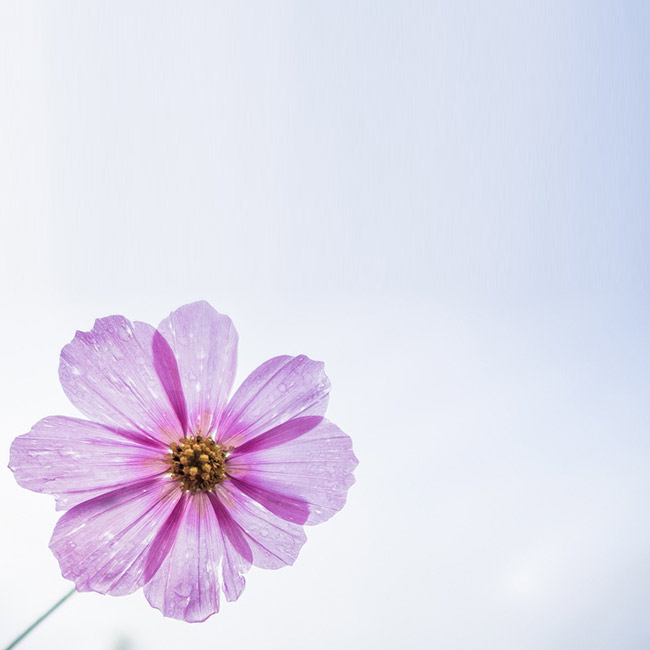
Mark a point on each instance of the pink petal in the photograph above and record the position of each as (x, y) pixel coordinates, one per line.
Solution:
(124, 374)
(76, 460)
(187, 550)
(103, 544)
(273, 542)
(280, 389)
(205, 345)
(186, 586)
(304, 461)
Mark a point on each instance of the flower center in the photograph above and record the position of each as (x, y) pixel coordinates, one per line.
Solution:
(197, 463)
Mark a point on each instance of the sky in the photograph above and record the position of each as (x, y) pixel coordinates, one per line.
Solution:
(445, 202)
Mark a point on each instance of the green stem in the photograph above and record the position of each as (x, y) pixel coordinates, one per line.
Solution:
(18, 639)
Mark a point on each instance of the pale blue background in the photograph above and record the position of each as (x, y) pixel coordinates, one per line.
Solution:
(446, 202)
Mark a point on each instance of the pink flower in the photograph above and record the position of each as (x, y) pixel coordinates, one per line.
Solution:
(172, 486)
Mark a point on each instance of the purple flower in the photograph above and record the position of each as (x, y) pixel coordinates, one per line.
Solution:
(172, 486)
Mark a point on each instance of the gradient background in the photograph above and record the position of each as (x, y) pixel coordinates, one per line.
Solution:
(446, 202)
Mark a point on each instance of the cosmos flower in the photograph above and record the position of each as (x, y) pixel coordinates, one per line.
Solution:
(171, 486)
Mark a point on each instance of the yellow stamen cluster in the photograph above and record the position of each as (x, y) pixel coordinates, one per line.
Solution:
(197, 463)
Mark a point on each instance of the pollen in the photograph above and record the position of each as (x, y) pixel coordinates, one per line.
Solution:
(197, 463)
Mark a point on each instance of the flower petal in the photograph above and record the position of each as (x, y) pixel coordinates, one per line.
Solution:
(273, 542)
(124, 374)
(305, 461)
(76, 460)
(186, 586)
(103, 544)
(280, 389)
(205, 345)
